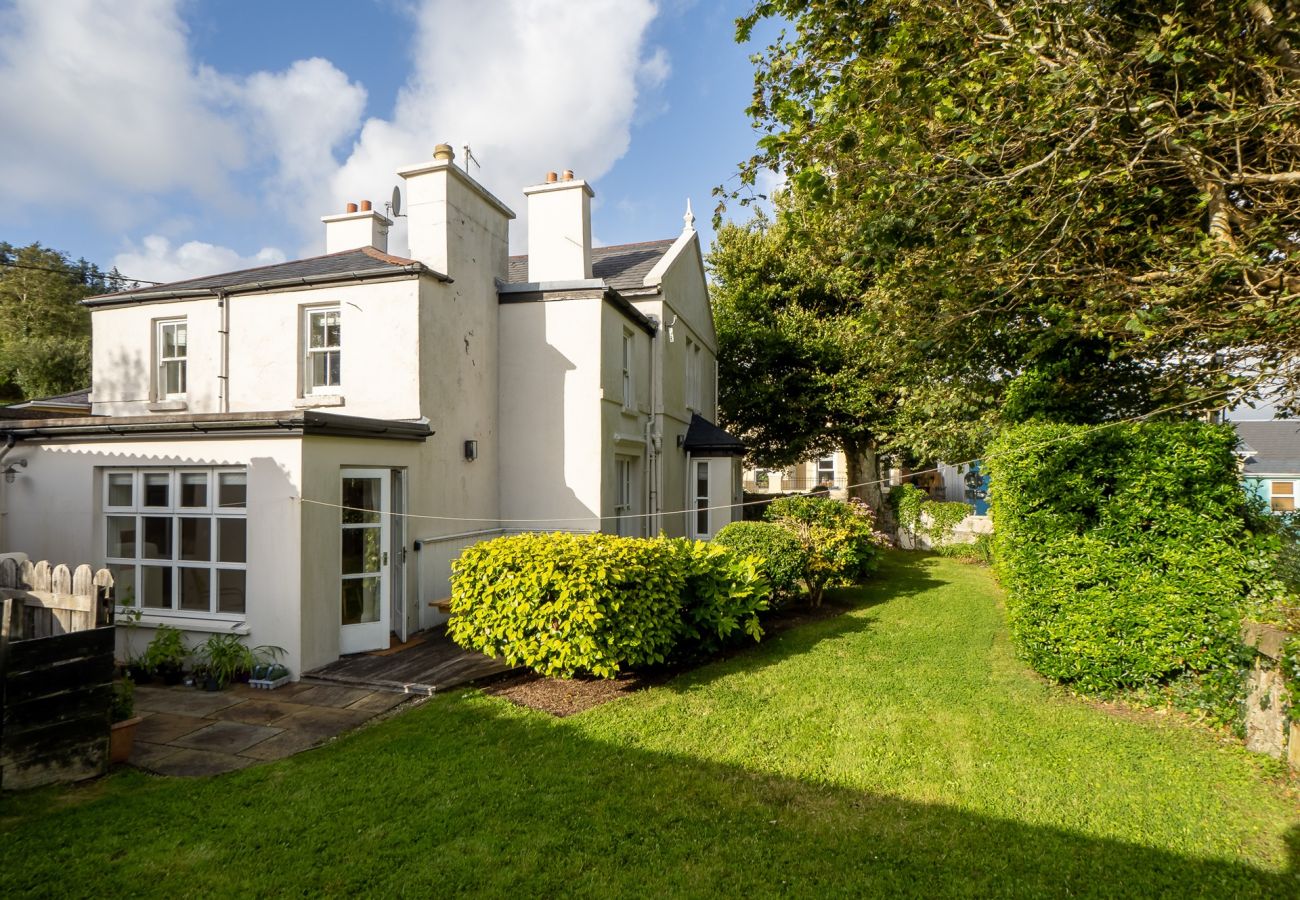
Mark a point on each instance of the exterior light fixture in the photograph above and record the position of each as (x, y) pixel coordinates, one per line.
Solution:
(471, 451)
(11, 471)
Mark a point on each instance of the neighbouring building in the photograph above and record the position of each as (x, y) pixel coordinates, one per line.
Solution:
(297, 452)
(1270, 456)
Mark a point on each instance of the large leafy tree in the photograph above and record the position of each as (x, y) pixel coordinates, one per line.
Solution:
(44, 329)
(1095, 203)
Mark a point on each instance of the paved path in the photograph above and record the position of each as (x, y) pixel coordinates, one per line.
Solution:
(187, 731)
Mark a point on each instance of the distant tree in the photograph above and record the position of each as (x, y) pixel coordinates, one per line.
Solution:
(44, 329)
(1086, 209)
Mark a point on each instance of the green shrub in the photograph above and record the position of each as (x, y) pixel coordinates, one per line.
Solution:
(979, 551)
(561, 603)
(1128, 552)
(840, 543)
(917, 514)
(784, 558)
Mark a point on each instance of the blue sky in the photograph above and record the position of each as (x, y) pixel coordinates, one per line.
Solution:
(178, 137)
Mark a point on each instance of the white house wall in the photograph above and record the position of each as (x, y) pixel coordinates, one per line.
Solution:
(379, 333)
(623, 429)
(550, 421)
(54, 511)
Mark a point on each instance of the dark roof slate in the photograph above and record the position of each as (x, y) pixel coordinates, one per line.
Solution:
(72, 398)
(704, 436)
(622, 267)
(341, 263)
(1271, 447)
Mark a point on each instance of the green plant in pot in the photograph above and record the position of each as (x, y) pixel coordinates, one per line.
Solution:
(225, 658)
(166, 653)
(124, 721)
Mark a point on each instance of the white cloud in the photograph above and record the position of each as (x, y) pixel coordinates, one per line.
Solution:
(530, 85)
(107, 113)
(101, 101)
(158, 260)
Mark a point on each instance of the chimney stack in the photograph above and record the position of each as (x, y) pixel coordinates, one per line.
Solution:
(356, 228)
(559, 229)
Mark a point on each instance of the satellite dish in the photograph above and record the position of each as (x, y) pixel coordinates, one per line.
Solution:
(396, 203)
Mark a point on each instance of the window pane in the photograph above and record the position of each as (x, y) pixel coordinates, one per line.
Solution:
(194, 489)
(232, 490)
(196, 539)
(156, 539)
(180, 333)
(156, 587)
(319, 369)
(702, 517)
(123, 584)
(232, 540)
(333, 328)
(231, 589)
(360, 600)
(196, 589)
(121, 537)
(332, 378)
(360, 550)
(316, 329)
(168, 335)
(157, 488)
(361, 496)
(1283, 504)
(120, 491)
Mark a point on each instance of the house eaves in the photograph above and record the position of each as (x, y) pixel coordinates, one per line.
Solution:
(580, 289)
(297, 422)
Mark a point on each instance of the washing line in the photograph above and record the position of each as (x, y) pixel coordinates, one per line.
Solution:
(880, 481)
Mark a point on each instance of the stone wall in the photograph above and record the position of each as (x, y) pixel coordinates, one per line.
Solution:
(1268, 729)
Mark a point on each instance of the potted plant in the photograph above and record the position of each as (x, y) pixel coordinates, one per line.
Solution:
(165, 655)
(124, 721)
(224, 658)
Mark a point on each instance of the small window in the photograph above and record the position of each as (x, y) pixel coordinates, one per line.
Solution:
(323, 333)
(628, 524)
(629, 400)
(701, 498)
(694, 376)
(826, 470)
(1282, 496)
(172, 352)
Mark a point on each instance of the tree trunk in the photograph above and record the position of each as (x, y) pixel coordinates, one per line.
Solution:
(864, 475)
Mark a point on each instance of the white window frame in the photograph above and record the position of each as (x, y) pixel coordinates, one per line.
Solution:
(309, 387)
(821, 461)
(629, 383)
(1293, 495)
(625, 522)
(702, 501)
(174, 512)
(180, 360)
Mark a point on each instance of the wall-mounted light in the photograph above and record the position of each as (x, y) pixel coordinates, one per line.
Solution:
(471, 451)
(11, 471)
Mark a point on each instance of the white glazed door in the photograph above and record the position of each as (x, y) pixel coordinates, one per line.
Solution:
(364, 613)
(711, 498)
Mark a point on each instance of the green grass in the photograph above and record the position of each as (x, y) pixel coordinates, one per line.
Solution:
(899, 749)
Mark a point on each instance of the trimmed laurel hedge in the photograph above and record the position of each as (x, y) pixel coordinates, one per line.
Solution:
(562, 604)
(784, 559)
(1128, 552)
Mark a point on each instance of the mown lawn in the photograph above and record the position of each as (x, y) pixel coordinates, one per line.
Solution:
(899, 749)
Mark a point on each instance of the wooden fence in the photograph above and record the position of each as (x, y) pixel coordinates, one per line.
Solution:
(56, 672)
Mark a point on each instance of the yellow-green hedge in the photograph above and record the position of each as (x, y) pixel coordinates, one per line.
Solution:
(562, 604)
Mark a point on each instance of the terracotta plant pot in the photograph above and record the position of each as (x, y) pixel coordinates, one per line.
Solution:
(122, 739)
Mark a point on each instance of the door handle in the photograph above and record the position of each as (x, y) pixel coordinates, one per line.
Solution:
(385, 558)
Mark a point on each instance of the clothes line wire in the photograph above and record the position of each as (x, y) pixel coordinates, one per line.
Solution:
(677, 512)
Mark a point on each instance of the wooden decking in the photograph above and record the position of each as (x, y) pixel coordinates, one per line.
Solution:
(428, 666)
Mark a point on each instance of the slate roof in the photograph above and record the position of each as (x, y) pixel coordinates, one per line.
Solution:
(623, 267)
(1270, 447)
(362, 259)
(72, 398)
(704, 436)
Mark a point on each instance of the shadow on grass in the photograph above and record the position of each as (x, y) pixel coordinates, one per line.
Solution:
(467, 796)
(902, 574)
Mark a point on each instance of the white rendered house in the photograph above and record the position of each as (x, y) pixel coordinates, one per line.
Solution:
(297, 452)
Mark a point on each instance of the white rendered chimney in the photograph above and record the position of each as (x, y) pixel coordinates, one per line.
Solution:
(559, 229)
(356, 228)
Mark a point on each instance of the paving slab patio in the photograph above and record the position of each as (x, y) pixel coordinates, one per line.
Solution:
(189, 732)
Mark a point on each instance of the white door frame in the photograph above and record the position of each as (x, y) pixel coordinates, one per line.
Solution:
(718, 476)
(397, 559)
(367, 635)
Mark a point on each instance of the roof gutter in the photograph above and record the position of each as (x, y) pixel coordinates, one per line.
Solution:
(370, 274)
(304, 423)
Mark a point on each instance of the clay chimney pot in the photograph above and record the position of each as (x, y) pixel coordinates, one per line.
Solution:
(568, 174)
(444, 151)
(551, 178)
(351, 207)
(365, 206)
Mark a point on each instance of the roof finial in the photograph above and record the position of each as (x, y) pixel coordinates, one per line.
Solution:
(689, 218)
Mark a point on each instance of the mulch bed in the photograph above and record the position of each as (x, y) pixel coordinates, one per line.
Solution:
(565, 696)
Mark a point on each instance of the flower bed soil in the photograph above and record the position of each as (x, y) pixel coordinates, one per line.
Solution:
(565, 696)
